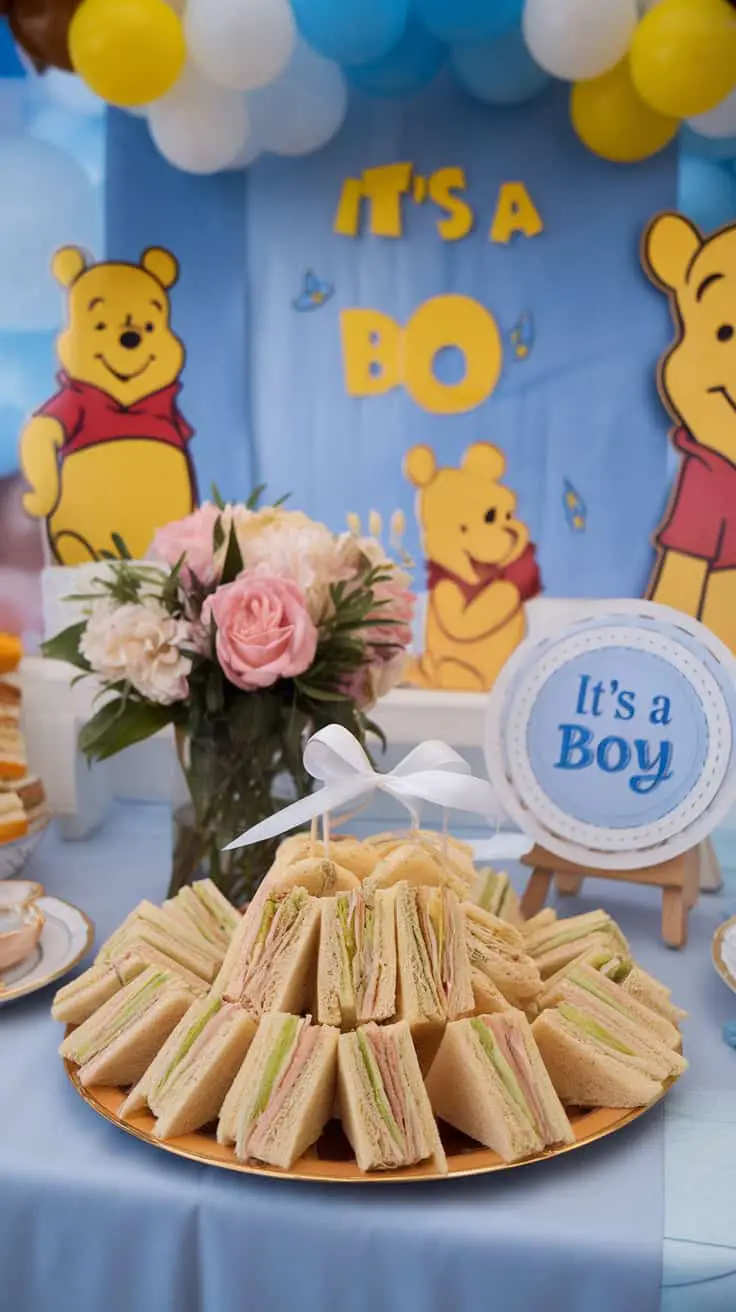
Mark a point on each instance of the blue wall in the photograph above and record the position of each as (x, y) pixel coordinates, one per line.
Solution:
(264, 385)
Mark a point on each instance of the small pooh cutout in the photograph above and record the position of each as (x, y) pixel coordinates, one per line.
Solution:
(109, 452)
(481, 568)
(696, 541)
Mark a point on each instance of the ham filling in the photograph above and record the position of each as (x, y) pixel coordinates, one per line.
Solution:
(398, 1097)
(294, 1068)
(219, 1022)
(442, 958)
(513, 1049)
(251, 976)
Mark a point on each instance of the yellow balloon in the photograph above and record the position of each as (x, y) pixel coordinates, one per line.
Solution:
(614, 122)
(683, 55)
(130, 52)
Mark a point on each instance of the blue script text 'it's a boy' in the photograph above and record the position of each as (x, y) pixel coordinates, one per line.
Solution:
(650, 762)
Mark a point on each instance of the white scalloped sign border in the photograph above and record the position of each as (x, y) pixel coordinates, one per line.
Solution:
(710, 670)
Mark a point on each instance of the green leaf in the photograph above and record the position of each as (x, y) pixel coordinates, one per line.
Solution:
(321, 694)
(119, 724)
(218, 534)
(233, 559)
(217, 496)
(120, 546)
(280, 501)
(254, 500)
(370, 726)
(65, 647)
(102, 554)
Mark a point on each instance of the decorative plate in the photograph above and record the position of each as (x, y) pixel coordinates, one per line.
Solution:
(331, 1160)
(66, 937)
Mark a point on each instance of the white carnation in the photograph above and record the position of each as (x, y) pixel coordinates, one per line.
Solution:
(141, 644)
(297, 548)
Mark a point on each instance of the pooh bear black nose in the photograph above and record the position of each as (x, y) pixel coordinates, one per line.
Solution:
(130, 339)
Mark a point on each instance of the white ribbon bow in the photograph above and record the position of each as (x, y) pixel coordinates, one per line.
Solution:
(432, 772)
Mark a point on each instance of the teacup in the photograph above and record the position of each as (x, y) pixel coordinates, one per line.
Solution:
(20, 930)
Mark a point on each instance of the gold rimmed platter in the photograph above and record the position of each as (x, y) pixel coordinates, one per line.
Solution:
(720, 964)
(331, 1160)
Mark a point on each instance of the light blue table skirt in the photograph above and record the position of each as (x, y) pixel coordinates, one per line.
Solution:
(90, 1219)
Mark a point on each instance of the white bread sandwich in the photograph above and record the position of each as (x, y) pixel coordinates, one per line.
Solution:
(543, 919)
(318, 875)
(489, 1081)
(587, 991)
(419, 865)
(494, 892)
(585, 974)
(639, 984)
(356, 967)
(186, 1083)
(498, 951)
(277, 954)
(555, 945)
(348, 853)
(182, 943)
(435, 981)
(593, 1063)
(118, 1043)
(383, 1103)
(284, 1092)
(205, 908)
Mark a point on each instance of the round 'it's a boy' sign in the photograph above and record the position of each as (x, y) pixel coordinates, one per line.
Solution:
(612, 742)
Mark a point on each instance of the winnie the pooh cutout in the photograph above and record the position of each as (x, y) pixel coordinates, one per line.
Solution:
(696, 566)
(481, 569)
(108, 454)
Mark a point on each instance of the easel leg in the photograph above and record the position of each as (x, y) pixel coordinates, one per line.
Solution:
(536, 892)
(568, 885)
(674, 917)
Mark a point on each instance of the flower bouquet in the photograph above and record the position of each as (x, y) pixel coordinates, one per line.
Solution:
(247, 630)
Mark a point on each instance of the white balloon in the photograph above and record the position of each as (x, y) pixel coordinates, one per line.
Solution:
(718, 122)
(241, 44)
(578, 39)
(303, 108)
(197, 126)
(48, 202)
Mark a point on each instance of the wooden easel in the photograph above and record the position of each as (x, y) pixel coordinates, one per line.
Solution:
(678, 878)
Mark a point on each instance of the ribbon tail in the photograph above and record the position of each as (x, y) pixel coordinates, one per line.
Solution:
(432, 755)
(300, 812)
(459, 792)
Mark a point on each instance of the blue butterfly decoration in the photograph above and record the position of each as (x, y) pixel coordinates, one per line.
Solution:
(574, 507)
(521, 336)
(313, 294)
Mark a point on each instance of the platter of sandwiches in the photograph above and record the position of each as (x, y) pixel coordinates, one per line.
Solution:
(380, 1011)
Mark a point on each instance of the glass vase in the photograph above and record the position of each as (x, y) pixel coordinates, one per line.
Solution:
(239, 769)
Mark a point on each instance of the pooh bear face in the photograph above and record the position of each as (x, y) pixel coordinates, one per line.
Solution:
(698, 376)
(467, 516)
(118, 335)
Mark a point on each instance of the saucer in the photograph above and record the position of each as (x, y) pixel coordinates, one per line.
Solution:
(66, 937)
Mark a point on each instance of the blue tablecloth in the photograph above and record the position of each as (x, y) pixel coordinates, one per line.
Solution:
(92, 1219)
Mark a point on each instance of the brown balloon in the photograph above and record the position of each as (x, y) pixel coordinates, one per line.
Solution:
(41, 28)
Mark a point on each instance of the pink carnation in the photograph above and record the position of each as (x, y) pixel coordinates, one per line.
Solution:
(192, 537)
(264, 632)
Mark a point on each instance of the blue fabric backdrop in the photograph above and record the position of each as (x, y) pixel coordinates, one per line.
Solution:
(264, 384)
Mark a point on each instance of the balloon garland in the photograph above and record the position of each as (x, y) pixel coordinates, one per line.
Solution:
(221, 81)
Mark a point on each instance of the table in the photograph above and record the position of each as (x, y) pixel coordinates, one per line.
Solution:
(90, 1218)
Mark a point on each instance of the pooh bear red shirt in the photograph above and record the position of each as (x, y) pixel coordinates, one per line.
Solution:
(702, 517)
(88, 416)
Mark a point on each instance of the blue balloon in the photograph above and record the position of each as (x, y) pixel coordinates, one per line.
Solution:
(10, 64)
(468, 20)
(500, 72)
(692, 143)
(351, 31)
(411, 65)
(706, 192)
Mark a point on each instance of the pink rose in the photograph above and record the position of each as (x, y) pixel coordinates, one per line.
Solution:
(193, 537)
(395, 616)
(264, 632)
